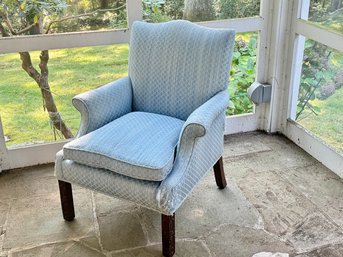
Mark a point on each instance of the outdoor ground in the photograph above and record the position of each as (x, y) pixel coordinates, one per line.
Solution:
(278, 199)
(328, 124)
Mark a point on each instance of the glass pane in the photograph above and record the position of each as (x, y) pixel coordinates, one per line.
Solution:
(320, 101)
(71, 71)
(199, 10)
(42, 17)
(243, 73)
(327, 14)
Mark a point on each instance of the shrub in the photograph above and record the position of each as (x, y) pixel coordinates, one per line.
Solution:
(327, 90)
(238, 8)
(242, 75)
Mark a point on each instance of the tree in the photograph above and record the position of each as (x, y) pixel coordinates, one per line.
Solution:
(238, 8)
(27, 18)
(32, 17)
(199, 10)
(174, 8)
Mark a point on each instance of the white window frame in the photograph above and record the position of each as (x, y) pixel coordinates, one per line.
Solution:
(301, 29)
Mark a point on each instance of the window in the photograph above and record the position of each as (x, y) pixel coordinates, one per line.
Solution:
(327, 14)
(320, 105)
(71, 71)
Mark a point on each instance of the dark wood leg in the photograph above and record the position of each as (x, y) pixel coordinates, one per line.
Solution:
(168, 235)
(219, 174)
(66, 200)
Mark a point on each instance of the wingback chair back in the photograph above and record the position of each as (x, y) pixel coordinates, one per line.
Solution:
(172, 69)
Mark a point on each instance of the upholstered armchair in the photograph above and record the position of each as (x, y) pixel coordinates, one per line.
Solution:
(150, 137)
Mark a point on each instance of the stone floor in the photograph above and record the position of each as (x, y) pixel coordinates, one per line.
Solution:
(278, 199)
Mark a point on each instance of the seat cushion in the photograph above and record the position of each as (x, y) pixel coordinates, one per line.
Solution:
(140, 145)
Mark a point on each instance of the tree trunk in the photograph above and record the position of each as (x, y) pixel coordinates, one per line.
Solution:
(3, 31)
(42, 80)
(43, 83)
(198, 10)
(37, 29)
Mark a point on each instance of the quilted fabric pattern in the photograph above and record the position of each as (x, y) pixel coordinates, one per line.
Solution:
(195, 158)
(139, 145)
(200, 121)
(104, 104)
(166, 196)
(177, 66)
(139, 191)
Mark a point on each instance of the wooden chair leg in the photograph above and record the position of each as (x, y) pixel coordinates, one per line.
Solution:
(67, 202)
(219, 174)
(168, 235)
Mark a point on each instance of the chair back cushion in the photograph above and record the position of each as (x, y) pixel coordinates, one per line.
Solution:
(177, 66)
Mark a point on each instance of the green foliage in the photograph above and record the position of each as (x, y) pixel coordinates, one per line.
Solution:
(39, 7)
(115, 17)
(174, 8)
(321, 10)
(312, 78)
(153, 11)
(32, 10)
(320, 66)
(318, 11)
(242, 75)
(238, 8)
(23, 13)
(327, 14)
(334, 21)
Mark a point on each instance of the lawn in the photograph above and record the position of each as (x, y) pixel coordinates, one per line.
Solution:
(72, 71)
(328, 124)
(333, 22)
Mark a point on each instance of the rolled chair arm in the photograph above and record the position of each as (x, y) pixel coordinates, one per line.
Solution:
(201, 119)
(103, 105)
(200, 146)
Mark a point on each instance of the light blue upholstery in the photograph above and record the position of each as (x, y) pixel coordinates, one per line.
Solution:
(178, 70)
(142, 192)
(177, 66)
(139, 145)
(102, 105)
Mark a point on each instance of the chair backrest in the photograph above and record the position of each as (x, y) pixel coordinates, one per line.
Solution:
(176, 66)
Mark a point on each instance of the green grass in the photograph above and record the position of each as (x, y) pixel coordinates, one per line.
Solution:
(328, 124)
(333, 22)
(72, 71)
